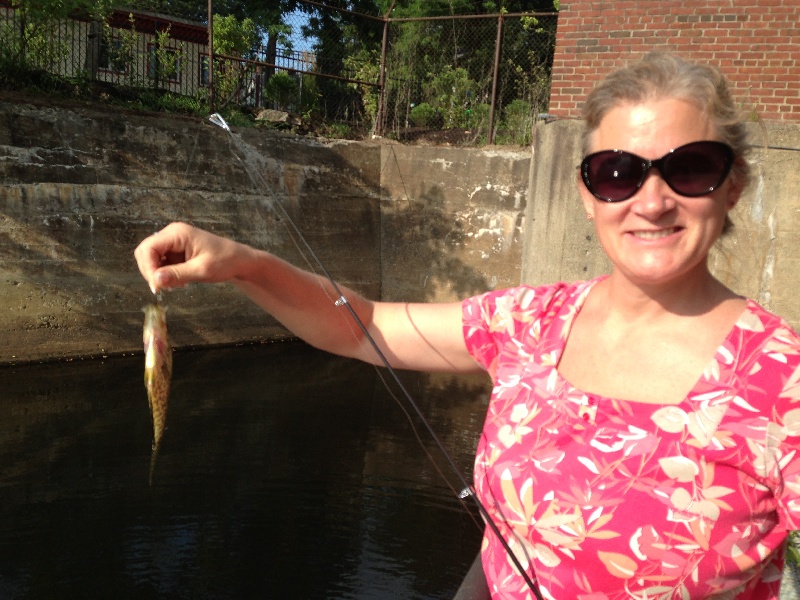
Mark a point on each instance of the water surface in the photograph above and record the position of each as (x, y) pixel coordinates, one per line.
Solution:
(284, 473)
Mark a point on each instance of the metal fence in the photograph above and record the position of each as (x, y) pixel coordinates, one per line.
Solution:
(488, 76)
(140, 50)
(460, 78)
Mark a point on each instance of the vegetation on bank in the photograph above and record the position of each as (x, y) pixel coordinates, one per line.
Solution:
(441, 76)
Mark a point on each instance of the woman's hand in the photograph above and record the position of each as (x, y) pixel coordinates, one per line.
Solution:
(181, 254)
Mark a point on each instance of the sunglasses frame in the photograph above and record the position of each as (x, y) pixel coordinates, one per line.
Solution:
(660, 164)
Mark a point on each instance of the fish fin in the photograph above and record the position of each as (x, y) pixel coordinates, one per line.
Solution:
(153, 458)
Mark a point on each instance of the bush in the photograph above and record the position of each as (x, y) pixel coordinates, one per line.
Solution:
(339, 131)
(424, 115)
(282, 89)
(518, 122)
(309, 95)
(478, 116)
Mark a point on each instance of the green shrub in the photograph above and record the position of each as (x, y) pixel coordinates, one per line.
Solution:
(518, 122)
(340, 131)
(309, 95)
(282, 89)
(424, 115)
(478, 116)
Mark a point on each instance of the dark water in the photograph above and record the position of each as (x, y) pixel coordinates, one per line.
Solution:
(284, 473)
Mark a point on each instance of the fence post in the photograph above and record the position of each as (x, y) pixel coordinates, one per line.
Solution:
(382, 80)
(495, 75)
(92, 62)
(210, 56)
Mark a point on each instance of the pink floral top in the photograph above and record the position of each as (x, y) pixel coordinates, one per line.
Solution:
(604, 499)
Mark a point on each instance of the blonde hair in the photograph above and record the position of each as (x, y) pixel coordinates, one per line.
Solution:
(661, 75)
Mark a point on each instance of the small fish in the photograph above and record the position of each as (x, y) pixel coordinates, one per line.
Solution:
(157, 372)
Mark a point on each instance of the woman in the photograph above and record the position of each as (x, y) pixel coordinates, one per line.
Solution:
(640, 438)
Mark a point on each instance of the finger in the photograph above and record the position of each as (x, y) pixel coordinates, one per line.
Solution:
(168, 278)
(155, 251)
(181, 270)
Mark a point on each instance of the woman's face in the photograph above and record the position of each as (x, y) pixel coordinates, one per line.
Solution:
(657, 236)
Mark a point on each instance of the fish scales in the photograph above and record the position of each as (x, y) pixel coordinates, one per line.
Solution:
(157, 372)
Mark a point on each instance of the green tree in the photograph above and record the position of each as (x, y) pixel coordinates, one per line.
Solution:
(34, 45)
(421, 52)
(238, 40)
(344, 40)
(166, 58)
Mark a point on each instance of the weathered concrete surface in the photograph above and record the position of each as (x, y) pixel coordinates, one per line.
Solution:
(452, 221)
(83, 185)
(759, 259)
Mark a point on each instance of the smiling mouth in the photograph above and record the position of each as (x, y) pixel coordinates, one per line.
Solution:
(655, 235)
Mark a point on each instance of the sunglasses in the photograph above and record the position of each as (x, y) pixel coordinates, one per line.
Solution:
(692, 170)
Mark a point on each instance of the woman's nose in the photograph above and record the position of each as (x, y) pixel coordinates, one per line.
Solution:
(655, 197)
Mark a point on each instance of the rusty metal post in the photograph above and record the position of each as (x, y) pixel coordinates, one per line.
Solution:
(380, 117)
(495, 76)
(210, 56)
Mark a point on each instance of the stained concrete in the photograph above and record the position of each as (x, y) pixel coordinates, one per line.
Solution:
(452, 221)
(83, 185)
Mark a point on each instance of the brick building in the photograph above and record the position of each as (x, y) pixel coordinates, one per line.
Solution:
(755, 42)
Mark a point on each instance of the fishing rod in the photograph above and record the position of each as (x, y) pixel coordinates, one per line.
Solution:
(341, 301)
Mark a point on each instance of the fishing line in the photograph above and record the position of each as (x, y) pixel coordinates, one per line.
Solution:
(340, 300)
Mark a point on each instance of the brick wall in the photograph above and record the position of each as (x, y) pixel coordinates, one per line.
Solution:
(755, 42)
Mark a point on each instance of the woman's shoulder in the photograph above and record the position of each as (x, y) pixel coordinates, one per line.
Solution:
(767, 351)
(527, 297)
(520, 317)
(763, 326)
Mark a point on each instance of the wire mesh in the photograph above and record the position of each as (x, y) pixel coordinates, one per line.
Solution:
(459, 74)
(460, 79)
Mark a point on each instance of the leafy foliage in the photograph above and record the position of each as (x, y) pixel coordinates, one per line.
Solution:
(233, 37)
(425, 115)
(38, 46)
(439, 74)
(166, 57)
(282, 89)
(365, 66)
(237, 39)
(793, 549)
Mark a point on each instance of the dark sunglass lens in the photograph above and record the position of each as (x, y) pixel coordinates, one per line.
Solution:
(697, 169)
(613, 175)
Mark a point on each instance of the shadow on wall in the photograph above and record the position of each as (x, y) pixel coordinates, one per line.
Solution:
(60, 278)
(452, 221)
(421, 249)
(84, 186)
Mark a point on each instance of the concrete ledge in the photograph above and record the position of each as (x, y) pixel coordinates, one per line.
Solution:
(84, 185)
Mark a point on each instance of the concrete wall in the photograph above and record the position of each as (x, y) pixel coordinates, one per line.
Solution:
(82, 186)
(453, 220)
(759, 259)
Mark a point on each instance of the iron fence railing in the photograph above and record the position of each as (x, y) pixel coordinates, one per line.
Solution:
(483, 77)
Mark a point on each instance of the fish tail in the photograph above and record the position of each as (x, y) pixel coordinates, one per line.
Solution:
(153, 458)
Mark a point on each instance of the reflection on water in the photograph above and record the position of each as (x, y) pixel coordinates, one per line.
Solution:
(284, 473)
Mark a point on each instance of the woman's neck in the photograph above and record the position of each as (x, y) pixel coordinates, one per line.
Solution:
(694, 294)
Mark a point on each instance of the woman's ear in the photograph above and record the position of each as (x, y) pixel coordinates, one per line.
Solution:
(586, 197)
(734, 191)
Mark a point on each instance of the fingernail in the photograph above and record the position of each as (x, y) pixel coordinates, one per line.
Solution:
(159, 279)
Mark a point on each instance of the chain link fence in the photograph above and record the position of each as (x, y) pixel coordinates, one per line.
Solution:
(480, 79)
(464, 79)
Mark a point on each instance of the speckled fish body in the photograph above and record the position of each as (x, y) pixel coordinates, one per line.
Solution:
(157, 372)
